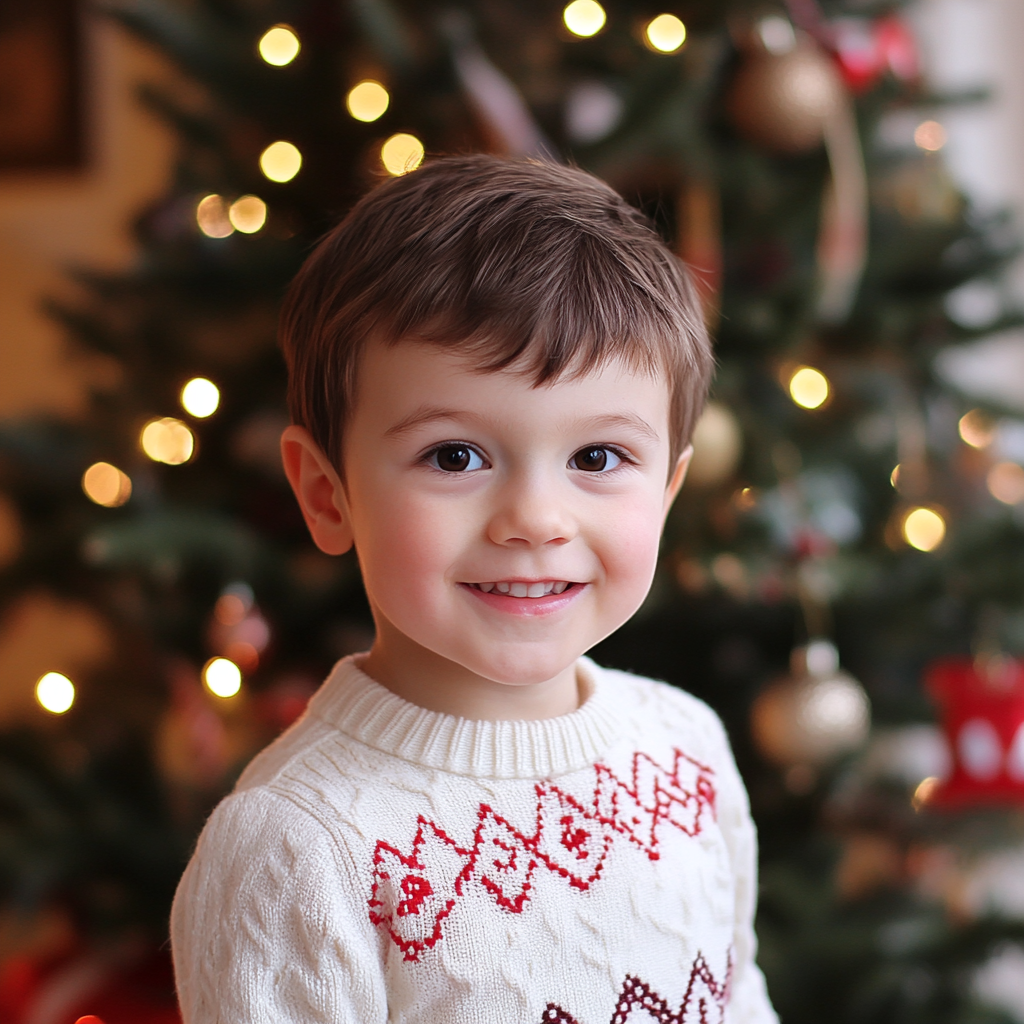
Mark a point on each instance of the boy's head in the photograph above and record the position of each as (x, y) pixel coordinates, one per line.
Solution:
(536, 267)
(495, 367)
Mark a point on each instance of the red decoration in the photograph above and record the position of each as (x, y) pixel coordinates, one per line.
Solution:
(867, 50)
(982, 707)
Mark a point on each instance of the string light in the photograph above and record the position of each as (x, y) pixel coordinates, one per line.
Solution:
(200, 397)
(248, 214)
(808, 387)
(930, 136)
(167, 440)
(55, 693)
(279, 45)
(223, 678)
(665, 33)
(106, 485)
(584, 18)
(280, 161)
(1006, 483)
(401, 154)
(367, 100)
(924, 529)
(212, 217)
(976, 429)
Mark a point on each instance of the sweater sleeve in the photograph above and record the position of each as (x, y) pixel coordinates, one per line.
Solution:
(748, 1002)
(266, 925)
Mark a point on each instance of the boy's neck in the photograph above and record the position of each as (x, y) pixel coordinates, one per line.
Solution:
(430, 681)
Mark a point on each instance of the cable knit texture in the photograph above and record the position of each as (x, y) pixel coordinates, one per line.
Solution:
(384, 863)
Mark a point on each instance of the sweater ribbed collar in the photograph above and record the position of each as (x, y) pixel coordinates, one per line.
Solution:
(366, 711)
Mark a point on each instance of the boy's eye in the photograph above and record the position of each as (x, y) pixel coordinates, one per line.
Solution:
(595, 460)
(455, 458)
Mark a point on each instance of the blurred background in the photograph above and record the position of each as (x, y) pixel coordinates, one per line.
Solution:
(842, 577)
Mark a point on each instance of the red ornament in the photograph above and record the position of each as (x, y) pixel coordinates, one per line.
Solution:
(867, 50)
(982, 707)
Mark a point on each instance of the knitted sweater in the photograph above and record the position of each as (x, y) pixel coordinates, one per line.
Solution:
(384, 863)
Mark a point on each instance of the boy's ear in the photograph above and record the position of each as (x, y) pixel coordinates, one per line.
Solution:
(318, 490)
(678, 476)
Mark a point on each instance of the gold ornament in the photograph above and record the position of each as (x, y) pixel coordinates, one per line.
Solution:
(782, 101)
(812, 715)
(717, 446)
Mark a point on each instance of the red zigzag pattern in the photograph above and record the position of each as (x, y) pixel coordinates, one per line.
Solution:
(704, 1002)
(413, 893)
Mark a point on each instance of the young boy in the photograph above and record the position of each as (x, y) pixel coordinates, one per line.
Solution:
(495, 368)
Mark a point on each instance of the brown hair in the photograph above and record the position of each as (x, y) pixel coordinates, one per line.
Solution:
(522, 264)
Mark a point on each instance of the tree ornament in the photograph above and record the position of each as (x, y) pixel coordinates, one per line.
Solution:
(781, 98)
(717, 446)
(812, 715)
(981, 704)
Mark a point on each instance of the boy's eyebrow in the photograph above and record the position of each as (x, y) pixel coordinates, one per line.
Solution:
(429, 413)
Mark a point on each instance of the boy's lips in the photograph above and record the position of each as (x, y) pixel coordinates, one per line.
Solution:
(526, 597)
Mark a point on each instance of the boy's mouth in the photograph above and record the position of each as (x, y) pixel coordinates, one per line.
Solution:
(540, 588)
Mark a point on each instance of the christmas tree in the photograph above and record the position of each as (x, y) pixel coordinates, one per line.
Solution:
(846, 505)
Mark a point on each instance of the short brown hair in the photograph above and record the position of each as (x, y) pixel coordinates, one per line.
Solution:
(522, 264)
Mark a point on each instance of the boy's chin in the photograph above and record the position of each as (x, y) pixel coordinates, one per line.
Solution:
(522, 669)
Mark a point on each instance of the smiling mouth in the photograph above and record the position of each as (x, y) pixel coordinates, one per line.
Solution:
(541, 588)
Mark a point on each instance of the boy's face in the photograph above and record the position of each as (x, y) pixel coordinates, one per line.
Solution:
(467, 494)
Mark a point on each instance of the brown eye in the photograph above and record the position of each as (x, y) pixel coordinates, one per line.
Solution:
(456, 458)
(594, 460)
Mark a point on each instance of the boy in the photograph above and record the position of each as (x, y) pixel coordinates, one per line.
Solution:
(495, 367)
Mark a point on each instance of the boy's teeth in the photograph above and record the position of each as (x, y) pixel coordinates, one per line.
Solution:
(524, 589)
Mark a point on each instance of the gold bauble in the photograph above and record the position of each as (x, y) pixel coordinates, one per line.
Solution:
(781, 101)
(717, 445)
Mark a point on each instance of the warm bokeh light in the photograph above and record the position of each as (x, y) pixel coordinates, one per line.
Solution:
(924, 792)
(223, 678)
(106, 485)
(280, 161)
(367, 101)
(808, 387)
(1006, 483)
(401, 154)
(279, 45)
(930, 136)
(977, 429)
(894, 476)
(584, 17)
(200, 397)
(167, 440)
(55, 693)
(924, 529)
(665, 33)
(212, 217)
(248, 214)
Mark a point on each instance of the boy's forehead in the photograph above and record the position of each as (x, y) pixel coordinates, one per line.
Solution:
(409, 383)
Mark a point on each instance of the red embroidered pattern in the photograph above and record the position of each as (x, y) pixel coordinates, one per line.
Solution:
(413, 893)
(704, 1002)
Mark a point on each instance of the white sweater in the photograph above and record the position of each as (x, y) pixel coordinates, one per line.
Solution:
(384, 863)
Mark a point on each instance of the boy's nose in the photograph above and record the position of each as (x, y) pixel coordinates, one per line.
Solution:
(530, 512)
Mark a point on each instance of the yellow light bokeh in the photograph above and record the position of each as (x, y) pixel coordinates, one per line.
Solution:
(584, 18)
(930, 136)
(55, 693)
(279, 45)
(212, 217)
(401, 154)
(665, 33)
(106, 485)
(976, 429)
(1006, 483)
(808, 387)
(367, 100)
(167, 440)
(200, 397)
(924, 529)
(894, 476)
(223, 678)
(248, 214)
(280, 161)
